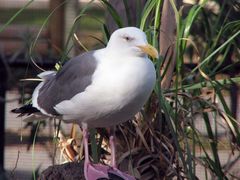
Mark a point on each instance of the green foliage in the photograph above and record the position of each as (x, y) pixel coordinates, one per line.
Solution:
(33, 154)
(205, 72)
(179, 108)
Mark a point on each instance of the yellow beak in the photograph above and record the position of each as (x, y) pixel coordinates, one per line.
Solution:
(150, 50)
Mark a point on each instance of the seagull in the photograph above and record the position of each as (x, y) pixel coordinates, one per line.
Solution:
(100, 88)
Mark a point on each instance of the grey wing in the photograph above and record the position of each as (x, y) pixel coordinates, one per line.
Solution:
(72, 79)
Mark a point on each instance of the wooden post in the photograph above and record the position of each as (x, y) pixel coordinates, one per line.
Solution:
(3, 82)
(71, 12)
(56, 26)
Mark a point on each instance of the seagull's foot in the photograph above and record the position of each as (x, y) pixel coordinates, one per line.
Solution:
(101, 172)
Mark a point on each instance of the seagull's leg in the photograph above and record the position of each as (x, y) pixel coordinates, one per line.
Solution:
(86, 153)
(113, 147)
(115, 173)
(92, 171)
(99, 171)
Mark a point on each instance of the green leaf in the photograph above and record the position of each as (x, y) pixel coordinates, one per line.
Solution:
(222, 82)
(15, 15)
(146, 12)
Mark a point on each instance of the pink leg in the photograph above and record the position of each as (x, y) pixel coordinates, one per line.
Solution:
(114, 170)
(113, 151)
(86, 153)
(91, 171)
(98, 171)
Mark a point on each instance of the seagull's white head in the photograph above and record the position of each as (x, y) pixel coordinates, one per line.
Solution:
(131, 41)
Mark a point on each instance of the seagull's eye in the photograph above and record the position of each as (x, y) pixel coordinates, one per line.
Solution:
(127, 38)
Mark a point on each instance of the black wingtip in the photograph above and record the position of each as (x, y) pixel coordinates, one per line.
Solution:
(25, 110)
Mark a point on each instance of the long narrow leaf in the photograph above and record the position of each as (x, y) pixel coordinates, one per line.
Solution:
(15, 15)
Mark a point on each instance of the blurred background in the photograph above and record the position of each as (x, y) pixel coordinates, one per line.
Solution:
(35, 38)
